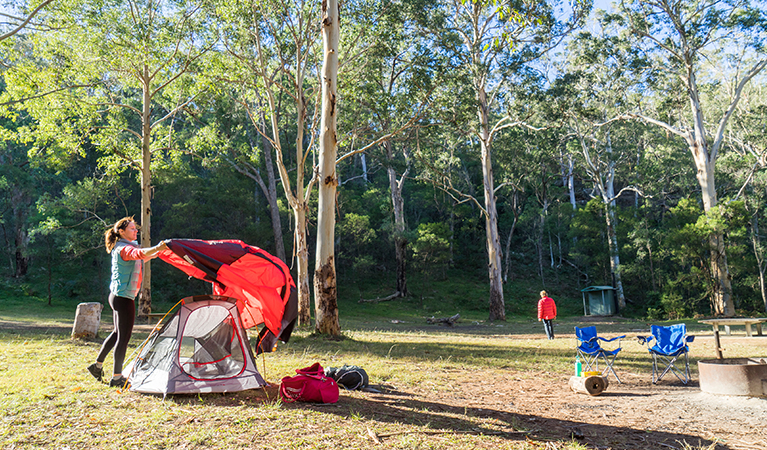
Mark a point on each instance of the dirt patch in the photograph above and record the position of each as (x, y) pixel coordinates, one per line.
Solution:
(633, 415)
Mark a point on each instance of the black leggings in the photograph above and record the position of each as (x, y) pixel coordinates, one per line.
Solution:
(124, 315)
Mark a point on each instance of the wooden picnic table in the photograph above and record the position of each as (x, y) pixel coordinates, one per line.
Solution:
(728, 322)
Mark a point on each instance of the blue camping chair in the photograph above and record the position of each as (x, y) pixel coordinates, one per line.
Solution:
(590, 350)
(670, 345)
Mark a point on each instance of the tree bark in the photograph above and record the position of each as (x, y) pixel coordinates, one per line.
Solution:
(145, 294)
(722, 300)
(271, 196)
(302, 263)
(325, 282)
(20, 203)
(398, 205)
(497, 305)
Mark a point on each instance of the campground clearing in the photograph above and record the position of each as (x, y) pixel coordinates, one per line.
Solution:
(470, 386)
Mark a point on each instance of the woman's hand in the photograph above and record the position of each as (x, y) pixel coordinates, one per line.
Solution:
(154, 252)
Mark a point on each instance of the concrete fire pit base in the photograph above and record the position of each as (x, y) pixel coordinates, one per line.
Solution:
(734, 376)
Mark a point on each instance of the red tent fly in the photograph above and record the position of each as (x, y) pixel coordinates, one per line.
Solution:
(261, 283)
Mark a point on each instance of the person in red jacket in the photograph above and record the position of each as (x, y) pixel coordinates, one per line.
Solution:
(547, 311)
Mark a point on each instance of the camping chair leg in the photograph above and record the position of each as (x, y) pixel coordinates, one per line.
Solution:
(671, 367)
(609, 367)
(589, 362)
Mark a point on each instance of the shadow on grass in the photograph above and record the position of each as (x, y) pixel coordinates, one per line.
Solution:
(398, 409)
(393, 413)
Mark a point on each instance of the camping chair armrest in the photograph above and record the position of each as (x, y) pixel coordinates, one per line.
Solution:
(645, 340)
(612, 339)
(689, 338)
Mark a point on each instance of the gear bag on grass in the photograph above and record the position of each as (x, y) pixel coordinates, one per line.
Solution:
(348, 377)
(309, 385)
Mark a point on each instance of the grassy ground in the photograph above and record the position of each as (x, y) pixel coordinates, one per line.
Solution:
(48, 400)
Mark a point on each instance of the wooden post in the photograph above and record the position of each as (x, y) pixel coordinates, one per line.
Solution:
(717, 345)
(588, 385)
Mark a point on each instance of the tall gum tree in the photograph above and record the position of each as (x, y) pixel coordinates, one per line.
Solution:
(325, 282)
(680, 39)
(276, 41)
(595, 88)
(116, 75)
(391, 90)
(498, 38)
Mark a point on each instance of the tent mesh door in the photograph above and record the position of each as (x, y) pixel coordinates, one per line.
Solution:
(210, 347)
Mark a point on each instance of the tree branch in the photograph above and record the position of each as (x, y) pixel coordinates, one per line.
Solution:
(26, 21)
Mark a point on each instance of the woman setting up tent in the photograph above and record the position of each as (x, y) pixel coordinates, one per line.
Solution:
(127, 264)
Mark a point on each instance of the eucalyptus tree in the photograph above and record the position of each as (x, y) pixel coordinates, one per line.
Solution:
(325, 281)
(601, 80)
(746, 141)
(391, 90)
(114, 74)
(356, 44)
(700, 46)
(14, 21)
(495, 39)
(274, 46)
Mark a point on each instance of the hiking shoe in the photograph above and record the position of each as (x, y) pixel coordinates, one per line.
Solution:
(96, 371)
(121, 382)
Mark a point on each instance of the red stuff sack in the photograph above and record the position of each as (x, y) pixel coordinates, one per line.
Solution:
(310, 385)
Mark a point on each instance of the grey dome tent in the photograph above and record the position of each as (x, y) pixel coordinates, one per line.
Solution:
(202, 348)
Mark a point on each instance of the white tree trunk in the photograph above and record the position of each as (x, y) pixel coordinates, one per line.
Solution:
(612, 234)
(722, 300)
(302, 270)
(759, 256)
(364, 163)
(325, 287)
(145, 294)
(570, 181)
(497, 305)
(398, 206)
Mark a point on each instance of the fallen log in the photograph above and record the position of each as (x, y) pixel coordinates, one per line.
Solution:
(397, 294)
(449, 321)
(593, 385)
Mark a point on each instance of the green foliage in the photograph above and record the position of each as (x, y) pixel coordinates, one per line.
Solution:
(69, 150)
(589, 249)
(355, 240)
(431, 249)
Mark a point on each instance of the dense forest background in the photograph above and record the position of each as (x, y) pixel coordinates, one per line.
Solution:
(587, 120)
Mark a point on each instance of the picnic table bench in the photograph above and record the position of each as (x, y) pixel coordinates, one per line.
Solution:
(746, 321)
